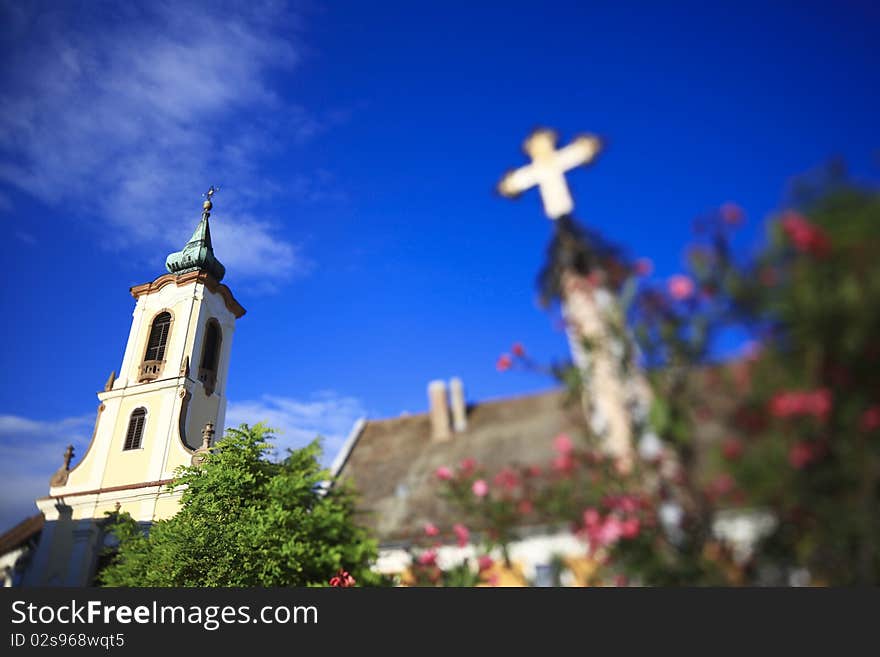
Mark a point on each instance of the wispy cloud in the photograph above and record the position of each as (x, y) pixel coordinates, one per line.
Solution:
(126, 112)
(30, 451)
(326, 414)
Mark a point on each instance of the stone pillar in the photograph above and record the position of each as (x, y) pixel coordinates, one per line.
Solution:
(588, 310)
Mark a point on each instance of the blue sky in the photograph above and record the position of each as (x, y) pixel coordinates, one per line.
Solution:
(357, 146)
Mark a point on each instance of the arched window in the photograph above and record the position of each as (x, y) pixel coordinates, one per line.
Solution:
(158, 337)
(210, 355)
(154, 359)
(135, 429)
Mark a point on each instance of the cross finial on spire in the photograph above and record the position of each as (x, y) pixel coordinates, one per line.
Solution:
(548, 168)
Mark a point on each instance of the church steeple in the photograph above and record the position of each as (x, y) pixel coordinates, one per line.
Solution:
(198, 254)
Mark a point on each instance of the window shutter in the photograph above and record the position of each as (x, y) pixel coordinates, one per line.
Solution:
(135, 429)
(158, 337)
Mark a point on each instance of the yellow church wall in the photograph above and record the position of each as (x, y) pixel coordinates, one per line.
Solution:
(87, 473)
(133, 466)
(166, 506)
(202, 410)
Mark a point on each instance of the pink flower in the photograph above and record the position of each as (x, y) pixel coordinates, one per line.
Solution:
(731, 214)
(443, 473)
(428, 558)
(562, 444)
(591, 518)
(431, 529)
(680, 287)
(801, 454)
(518, 350)
(507, 479)
(504, 363)
(485, 562)
(870, 419)
(791, 404)
(610, 531)
(563, 463)
(732, 449)
(525, 507)
(806, 237)
(630, 528)
(644, 267)
(467, 466)
(342, 579)
(533, 471)
(480, 488)
(462, 534)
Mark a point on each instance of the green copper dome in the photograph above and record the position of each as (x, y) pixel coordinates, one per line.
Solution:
(198, 254)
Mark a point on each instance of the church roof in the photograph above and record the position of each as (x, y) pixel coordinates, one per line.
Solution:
(21, 533)
(198, 254)
(392, 462)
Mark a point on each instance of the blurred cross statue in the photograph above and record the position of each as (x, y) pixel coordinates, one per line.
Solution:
(548, 168)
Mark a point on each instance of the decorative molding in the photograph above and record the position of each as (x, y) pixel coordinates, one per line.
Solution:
(186, 396)
(192, 277)
(199, 455)
(111, 489)
(101, 408)
(60, 476)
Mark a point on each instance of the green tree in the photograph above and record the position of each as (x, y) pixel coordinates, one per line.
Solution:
(246, 520)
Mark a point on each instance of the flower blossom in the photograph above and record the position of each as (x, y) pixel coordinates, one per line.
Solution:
(562, 444)
(507, 479)
(791, 404)
(342, 579)
(485, 562)
(680, 287)
(504, 363)
(431, 529)
(732, 449)
(518, 350)
(443, 473)
(428, 558)
(870, 419)
(806, 237)
(801, 454)
(480, 488)
(462, 534)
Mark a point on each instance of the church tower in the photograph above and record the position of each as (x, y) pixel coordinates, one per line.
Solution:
(158, 414)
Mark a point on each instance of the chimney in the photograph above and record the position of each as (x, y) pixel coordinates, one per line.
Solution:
(438, 410)
(459, 409)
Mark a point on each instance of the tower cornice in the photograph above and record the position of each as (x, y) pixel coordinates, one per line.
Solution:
(192, 277)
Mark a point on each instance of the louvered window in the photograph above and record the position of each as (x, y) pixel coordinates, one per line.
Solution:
(135, 429)
(158, 337)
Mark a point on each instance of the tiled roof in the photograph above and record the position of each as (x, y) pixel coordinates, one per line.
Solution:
(392, 462)
(21, 533)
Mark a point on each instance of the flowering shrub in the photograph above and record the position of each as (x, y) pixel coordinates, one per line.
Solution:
(797, 410)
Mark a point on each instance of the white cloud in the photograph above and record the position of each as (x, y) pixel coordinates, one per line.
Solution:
(326, 414)
(30, 452)
(128, 113)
